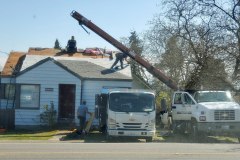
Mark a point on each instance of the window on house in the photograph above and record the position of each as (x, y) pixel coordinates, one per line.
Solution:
(7, 91)
(29, 96)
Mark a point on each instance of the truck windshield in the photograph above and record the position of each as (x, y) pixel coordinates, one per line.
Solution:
(213, 97)
(131, 102)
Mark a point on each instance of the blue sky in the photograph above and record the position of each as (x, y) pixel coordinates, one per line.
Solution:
(38, 23)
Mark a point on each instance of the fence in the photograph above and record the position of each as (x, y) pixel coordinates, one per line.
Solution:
(7, 118)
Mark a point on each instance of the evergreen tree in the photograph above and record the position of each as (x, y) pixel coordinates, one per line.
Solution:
(136, 46)
(57, 45)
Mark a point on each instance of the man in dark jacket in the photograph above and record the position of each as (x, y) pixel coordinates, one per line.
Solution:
(71, 46)
(119, 58)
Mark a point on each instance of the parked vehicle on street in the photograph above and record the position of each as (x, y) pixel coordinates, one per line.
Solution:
(126, 113)
(206, 112)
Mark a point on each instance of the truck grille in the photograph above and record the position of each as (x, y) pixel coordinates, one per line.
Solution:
(224, 115)
(131, 126)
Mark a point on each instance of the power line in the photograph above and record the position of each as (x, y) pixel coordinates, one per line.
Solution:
(4, 52)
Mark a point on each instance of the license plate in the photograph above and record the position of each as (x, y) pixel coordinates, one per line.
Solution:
(226, 127)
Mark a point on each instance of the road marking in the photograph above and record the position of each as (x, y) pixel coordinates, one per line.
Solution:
(142, 153)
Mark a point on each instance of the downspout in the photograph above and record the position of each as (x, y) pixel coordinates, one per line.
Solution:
(0, 90)
(81, 97)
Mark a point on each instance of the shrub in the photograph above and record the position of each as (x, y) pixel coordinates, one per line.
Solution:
(48, 117)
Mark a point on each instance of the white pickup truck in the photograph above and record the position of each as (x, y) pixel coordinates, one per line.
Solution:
(211, 112)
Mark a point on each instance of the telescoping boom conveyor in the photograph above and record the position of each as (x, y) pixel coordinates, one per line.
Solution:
(150, 68)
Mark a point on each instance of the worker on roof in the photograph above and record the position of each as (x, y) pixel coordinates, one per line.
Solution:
(71, 46)
(120, 56)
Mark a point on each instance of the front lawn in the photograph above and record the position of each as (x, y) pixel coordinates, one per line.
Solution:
(28, 135)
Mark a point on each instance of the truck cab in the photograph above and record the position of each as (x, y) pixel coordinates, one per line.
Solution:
(212, 112)
(127, 112)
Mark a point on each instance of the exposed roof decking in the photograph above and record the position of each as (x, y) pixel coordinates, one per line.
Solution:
(13, 63)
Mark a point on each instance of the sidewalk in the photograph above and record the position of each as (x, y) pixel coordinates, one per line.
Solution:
(58, 136)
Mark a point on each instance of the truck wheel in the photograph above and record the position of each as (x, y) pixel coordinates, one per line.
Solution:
(149, 139)
(178, 127)
(194, 132)
(108, 137)
(174, 128)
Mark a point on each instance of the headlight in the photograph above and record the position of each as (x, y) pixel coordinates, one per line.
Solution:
(152, 121)
(112, 121)
(202, 118)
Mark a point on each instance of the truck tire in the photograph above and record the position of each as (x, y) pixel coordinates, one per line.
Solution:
(194, 131)
(149, 139)
(178, 127)
(108, 137)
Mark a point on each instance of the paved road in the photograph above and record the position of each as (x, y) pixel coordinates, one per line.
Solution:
(117, 151)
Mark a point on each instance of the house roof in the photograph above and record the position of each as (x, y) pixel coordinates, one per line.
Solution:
(89, 70)
(13, 63)
(84, 68)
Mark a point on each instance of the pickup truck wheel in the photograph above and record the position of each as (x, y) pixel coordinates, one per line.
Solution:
(194, 131)
(149, 139)
(178, 127)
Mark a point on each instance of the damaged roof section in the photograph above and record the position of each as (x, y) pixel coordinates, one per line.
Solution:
(13, 63)
(43, 51)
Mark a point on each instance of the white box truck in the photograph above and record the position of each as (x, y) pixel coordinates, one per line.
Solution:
(126, 113)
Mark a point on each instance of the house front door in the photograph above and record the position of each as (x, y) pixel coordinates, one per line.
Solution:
(67, 94)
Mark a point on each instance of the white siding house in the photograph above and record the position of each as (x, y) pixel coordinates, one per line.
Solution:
(48, 75)
(63, 81)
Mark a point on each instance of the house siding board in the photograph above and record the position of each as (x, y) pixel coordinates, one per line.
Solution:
(48, 70)
(6, 104)
(47, 75)
(7, 80)
(27, 117)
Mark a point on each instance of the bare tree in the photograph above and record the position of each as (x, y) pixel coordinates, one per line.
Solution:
(227, 20)
(192, 23)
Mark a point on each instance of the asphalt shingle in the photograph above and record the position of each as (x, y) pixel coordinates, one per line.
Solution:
(90, 70)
